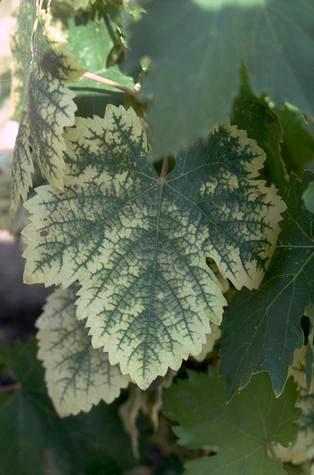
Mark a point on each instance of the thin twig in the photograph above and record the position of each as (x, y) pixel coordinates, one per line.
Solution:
(110, 83)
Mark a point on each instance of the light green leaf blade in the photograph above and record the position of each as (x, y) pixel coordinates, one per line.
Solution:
(242, 430)
(261, 329)
(137, 242)
(197, 48)
(308, 197)
(77, 376)
(48, 109)
(91, 44)
(21, 53)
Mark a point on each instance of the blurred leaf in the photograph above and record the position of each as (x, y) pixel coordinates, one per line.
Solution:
(197, 48)
(30, 430)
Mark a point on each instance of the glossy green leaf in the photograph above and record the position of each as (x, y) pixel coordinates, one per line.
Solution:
(242, 431)
(197, 48)
(137, 242)
(261, 329)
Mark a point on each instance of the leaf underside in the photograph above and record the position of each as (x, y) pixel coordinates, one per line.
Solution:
(137, 243)
(77, 375)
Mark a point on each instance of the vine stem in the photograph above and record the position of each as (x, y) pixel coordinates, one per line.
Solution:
(110, 83)
(10, 388)
(164, 169)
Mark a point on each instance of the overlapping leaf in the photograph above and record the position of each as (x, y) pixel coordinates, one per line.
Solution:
(137, 242)
(242, 430)
(91, 44)
(197, 48)
(34, 440)
(21, 53)
(77, 376)
(308, 197)
(48, 108)
(261, 123)
(298, 140)
(261, 329)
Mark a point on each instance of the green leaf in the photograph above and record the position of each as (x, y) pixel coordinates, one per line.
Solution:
(21, 53)
(298, 140)
(48, 109)
(137, 242)
(308, 197)
(261, 124)
(34, 439)
(22, 432)
(309, 355)
(91, 44)
(261, 329)
(242, 430)
(77, 376)
(197, 48)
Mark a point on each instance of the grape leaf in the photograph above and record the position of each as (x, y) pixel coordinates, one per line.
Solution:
(48, 108)
(34, 439)
(77, 376)
(298, 140)
(137, 242)
(197, 48)
(18, 414)
(308, 197)
(243, 429)
(254, 115)
(91, 44)
(261, 329)
(21, 53)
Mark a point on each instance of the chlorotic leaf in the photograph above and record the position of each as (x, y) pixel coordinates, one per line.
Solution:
(301, 450)
(242, 430)
(77, 376)
(308, 197)
(48, 108)
(137, 242)
(194, 74)
(21, 53)
(261, 329)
